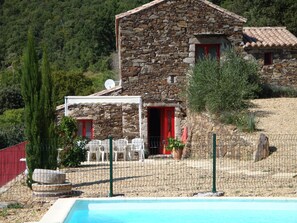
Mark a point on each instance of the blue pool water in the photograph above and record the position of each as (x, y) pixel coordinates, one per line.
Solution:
(184, 211)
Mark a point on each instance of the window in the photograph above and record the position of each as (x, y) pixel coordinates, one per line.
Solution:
(267, 58)
(171, 79)
(85, 128)
(211, 50)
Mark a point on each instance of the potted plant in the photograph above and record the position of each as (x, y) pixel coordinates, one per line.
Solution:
(176, 147)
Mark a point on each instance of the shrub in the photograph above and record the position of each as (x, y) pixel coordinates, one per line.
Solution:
(222, 87)
(67, 130)
(244, 121)
(72, 156)
(73, 152)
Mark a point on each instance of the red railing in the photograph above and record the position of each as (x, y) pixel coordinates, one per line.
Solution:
(10, 164)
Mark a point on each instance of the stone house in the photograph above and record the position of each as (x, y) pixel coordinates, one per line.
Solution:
(157, 45)
(275, 48)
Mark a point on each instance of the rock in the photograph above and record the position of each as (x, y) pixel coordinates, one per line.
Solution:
(262, 151)
(45, 176)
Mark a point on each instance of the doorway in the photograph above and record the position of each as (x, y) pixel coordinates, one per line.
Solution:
(160, 128)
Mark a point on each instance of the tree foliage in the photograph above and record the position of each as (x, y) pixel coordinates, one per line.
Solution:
(71, 83)
(222, 87)
(39, 111)
(48, 135)
(265, 12)
(73, 152)
(31, 84)
(77, 33)
(11, 127)
(10, 98)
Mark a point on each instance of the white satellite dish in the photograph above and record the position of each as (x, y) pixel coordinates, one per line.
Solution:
(109, 84)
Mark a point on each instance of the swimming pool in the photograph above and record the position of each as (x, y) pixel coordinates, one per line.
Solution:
(173, 210)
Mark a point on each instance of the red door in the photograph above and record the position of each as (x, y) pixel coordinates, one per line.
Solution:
(160, 127)
(167, 127)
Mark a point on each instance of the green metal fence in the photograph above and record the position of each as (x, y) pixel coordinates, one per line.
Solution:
(219, 163)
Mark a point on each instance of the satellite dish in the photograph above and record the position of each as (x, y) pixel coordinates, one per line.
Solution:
(109, 84)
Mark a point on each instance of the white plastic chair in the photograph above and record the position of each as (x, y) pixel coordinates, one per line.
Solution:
(104, 149)
(93, 148)
(120, 146)
(137, 145)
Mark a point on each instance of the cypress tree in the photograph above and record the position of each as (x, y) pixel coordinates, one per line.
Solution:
(48, 138)
(39, 113)
(31, 85)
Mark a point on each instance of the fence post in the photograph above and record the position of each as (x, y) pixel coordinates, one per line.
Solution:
(214, 164)
(110, 168)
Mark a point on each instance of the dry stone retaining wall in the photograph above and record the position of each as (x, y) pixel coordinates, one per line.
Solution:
(230, 143)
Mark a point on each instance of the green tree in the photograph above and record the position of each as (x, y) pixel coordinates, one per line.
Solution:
(79, 33)
(36, 90)
(265, 12)
(48, 133)
(10, 98)
(11, 127)
(71, 83)
(31, 85)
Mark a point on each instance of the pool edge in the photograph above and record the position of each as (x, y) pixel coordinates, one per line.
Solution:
(60, 209)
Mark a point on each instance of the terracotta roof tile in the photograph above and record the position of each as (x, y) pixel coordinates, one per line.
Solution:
(268, 37)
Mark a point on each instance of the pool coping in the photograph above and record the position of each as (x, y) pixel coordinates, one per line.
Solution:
(59, 211)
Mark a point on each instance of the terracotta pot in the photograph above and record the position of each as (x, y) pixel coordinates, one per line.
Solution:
(177, 154)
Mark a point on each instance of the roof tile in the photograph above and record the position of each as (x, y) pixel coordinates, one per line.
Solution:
(268, 37)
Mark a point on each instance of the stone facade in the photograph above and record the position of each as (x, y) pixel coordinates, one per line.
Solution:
(159, 43)
(156, 47)
(282, 71)
(117, 120)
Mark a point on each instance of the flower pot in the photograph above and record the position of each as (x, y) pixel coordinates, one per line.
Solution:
(177, 154)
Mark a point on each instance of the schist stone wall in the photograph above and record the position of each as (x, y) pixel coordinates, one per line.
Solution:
(157, 46)
(283, 71)
(117, 120)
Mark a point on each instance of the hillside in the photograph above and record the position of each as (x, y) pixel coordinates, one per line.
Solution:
(79, 33)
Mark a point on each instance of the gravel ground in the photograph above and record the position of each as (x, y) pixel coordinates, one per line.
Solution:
(272, 177)
(276, 115)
